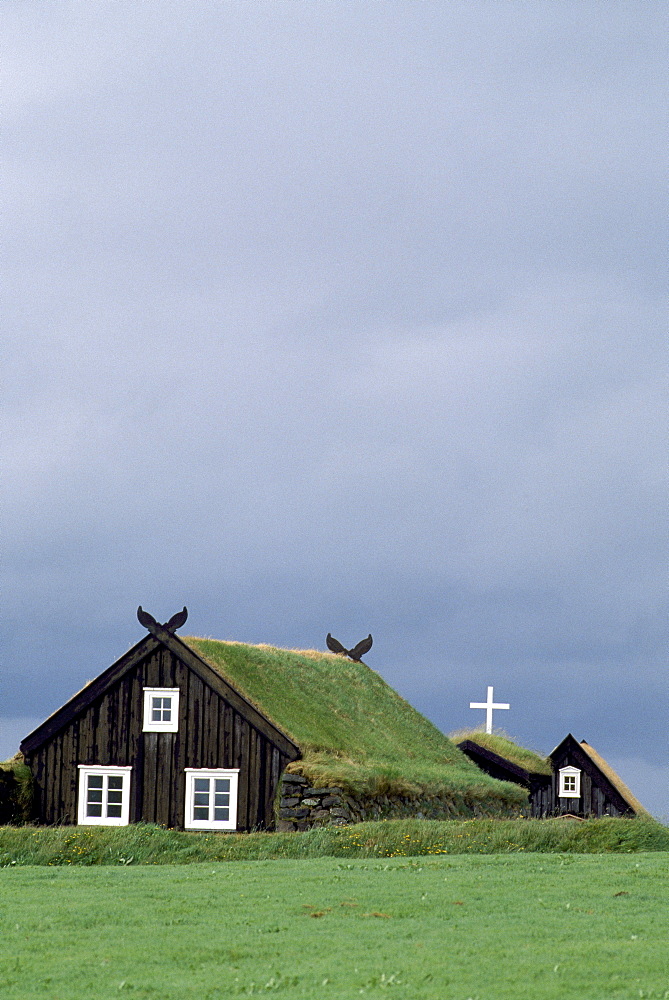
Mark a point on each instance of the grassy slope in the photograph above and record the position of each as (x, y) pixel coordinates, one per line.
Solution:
(505, 747)
(527, 927)
(352, 728)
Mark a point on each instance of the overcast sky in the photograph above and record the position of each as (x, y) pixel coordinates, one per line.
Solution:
(343, 317)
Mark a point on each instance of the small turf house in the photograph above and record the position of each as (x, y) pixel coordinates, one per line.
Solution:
(197, 734)
(573, 780)
(584, 784)
(160, 737)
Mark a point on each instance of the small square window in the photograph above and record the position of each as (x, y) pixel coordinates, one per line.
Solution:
(211, 799)
(161, 710)
(104, 796)
(569, 783)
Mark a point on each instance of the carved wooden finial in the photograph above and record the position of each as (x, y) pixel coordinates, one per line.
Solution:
(145, 618)
(175, 622)
(356, 653)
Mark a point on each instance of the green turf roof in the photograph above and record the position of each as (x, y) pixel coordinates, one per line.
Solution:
(503, 746)
(352, 728)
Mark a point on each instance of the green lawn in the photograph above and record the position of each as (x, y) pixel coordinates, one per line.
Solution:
(486, 927)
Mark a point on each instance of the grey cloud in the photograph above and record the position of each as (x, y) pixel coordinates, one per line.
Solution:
(341, 318)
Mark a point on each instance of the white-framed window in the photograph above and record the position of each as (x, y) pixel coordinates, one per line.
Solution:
(161, 710)
(570, 783)
(104, 795)
(211, 798)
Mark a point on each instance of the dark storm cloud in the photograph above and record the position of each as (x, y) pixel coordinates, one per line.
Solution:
(346, 318)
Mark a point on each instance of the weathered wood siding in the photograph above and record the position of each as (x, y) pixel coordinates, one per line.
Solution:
(598, 796)
(541, 797)
(109, 731)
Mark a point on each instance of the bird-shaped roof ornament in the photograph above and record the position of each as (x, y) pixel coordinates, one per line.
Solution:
(356, 653)
(175, 622)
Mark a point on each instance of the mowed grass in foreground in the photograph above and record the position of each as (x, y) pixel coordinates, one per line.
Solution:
(486, 927)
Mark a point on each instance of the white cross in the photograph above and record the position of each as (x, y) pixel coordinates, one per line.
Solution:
(488, 705)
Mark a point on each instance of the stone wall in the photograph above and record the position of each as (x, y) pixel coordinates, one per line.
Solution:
(302, 807)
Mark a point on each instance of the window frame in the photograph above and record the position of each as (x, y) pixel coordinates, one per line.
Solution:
(563, 774)
(106, 771)
(210, 772)
(149, 726)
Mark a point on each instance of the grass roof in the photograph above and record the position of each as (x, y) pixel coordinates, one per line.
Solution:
(617, 782)
(505, 747)
(352, 728)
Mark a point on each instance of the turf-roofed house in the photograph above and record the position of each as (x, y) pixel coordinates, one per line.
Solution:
(573, 780)
(200, 734)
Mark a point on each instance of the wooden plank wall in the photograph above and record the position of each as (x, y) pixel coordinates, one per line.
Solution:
(541, 799)
(597, 797)
(211, 734)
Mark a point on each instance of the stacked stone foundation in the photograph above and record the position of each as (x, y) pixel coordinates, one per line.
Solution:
(302, 806)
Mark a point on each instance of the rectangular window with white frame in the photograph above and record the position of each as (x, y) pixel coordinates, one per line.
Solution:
(161, 710)
(569, 783)
(104, 795)
(211, 798)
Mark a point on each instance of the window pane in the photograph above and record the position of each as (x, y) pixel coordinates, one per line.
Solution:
(104, 796)
(211, 799)
(167, 711)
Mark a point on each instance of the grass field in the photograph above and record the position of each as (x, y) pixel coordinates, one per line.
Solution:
(486, 927)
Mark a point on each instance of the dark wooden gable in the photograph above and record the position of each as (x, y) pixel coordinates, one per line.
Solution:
(498, 767)
(599, 795)
(103, 724)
